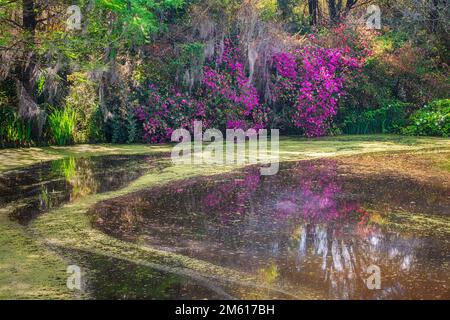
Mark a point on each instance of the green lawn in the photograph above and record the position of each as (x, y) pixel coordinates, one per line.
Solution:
(291, 148)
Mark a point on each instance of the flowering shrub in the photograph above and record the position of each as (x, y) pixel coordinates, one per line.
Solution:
(165, 113)
(310, 82)
(229, 90)
(226, 99)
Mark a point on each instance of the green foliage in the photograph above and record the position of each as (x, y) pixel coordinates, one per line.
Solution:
(431, 120)
(398, 68)
(40, 83)
(192, 54)
(82, 98)
(117, 100)
(62, 124)
(14, 131)
(390, 41)
(268, 9)
(117, 129)
(137, 19)
(189, 58)
(8, 97)
(96, 126)
(390, 118)
(131, 126)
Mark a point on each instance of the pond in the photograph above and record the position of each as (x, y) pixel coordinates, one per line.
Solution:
(314, 226)
(317, 227)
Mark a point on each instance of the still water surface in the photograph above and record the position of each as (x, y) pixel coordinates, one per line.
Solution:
(315, 226)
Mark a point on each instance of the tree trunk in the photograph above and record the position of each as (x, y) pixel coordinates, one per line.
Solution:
(349, 5)
(26, 66)
(312, 9)
(332, 11)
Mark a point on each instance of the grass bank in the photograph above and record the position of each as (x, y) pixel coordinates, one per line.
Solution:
(291, 148)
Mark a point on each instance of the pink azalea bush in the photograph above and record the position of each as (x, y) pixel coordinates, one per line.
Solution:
(165, 113)
(226, 99)
(228, 89)
(309, 83)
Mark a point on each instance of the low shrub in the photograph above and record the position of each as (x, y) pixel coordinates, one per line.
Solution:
(14, 131)
(431, 120)
(390, 118)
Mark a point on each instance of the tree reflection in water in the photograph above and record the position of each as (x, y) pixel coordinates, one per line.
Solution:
(44, 186)
(306, 227)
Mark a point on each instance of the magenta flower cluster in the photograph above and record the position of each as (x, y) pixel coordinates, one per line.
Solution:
(165, 113)
(309, 83)
(226, 99)
(229, 89)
